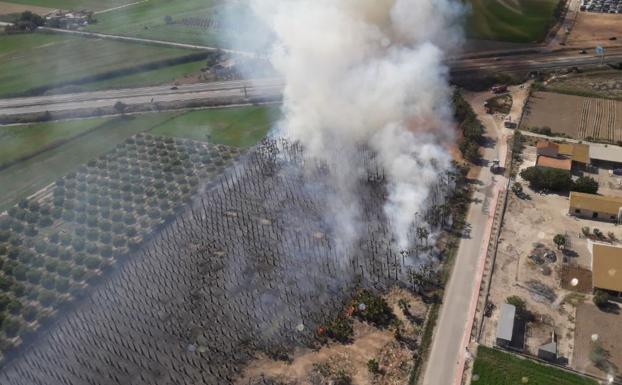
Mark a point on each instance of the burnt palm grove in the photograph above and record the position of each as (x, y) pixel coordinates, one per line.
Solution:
(250, 265)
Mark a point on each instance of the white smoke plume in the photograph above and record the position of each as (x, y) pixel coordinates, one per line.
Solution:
(371, 73)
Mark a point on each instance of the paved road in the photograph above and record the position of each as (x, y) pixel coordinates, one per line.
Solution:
(459, 67)
(134, 96)
(448, 354)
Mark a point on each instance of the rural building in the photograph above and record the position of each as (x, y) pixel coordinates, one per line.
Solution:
(579, 153)
(607, 267)
(547, 148)
(606, 156)
(593, 206)
(558, 163)
(575, 156)
(505, 325)
(548, 352)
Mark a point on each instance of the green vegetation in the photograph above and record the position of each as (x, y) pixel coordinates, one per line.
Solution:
(202, 22)
(601, 299)
(22, 141)
(542, 178)
(494, 367)
(25, 22)
(521, 21)
(238, 126)
(33, 63)
(372, 308)
(472, 130)
(153, 77)
(585, 184)
(55, 154)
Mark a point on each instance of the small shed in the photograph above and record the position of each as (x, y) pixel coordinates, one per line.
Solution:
(505, 325)
(548, 352)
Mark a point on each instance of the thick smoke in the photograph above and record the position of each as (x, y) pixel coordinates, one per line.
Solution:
(368, 74)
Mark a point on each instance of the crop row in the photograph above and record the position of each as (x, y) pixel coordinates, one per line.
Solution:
(53, 248)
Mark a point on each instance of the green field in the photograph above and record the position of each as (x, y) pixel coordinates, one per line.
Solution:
(29, 61)
(24, 140)
(518, 21)
(74, 4)
(495, 367)
(202, 22)
(242, 127)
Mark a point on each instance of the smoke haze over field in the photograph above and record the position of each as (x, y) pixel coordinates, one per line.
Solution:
(368, 73)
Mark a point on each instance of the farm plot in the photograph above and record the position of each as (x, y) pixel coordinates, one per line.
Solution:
(212, 22)
(249, 267)
(53, 247)
(93, 5)
(37, 62)
(576, 116)
(9, 8)
(494, 367)
(521, 21)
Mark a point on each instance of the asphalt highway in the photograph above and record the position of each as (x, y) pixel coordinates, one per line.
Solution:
(134, 96)
(463, 66)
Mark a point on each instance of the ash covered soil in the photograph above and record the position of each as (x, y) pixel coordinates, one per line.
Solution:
(252, 266)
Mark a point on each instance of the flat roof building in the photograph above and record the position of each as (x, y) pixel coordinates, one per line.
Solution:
(505, 325)
(593, 206)
(607, 267)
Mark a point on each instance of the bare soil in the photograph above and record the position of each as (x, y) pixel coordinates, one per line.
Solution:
(576, 116)
(570, 272)
(396, 359)
(593, 29)
(9, 8)
(607, 327)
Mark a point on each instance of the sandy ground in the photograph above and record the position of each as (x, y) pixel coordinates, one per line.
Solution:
(576, 116)
(8, 8)
(608, 327)
(592, 29)
(527, 223)
(369, 342)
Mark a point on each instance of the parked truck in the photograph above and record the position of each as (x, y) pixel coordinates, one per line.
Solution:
(499, 89)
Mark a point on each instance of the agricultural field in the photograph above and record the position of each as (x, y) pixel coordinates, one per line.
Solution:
(94, 5)
(517, 21)
(66, 145)
(575, 116)
(199, 22)
(494, 367)
(40, 61)
(52, 246)
(598, 84)
(13, 8)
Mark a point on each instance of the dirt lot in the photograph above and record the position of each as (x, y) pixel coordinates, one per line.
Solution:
(607, 327)
(395, 359)
(530, 223)
(576, 116)
(9, 8)
(593, 29)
